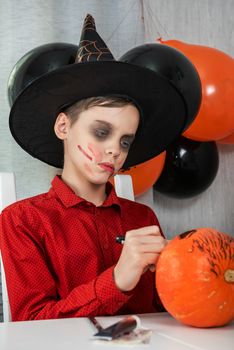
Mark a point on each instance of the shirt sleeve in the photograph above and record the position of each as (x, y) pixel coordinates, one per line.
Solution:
(32, 288)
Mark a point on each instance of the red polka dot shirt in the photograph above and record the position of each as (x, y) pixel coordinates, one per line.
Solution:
(59, 252)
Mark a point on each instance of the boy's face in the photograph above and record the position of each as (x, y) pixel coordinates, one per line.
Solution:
(97, 144)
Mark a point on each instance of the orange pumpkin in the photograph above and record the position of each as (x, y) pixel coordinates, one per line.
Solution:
(195, 278)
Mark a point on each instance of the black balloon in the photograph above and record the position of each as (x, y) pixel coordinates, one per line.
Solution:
(173, 65)
(42, 59)
(190, 168)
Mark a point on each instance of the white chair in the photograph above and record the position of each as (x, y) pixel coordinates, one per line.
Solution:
(124, 187)
(7, 196)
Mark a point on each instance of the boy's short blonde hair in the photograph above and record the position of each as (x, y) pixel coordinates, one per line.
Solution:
(75, 109)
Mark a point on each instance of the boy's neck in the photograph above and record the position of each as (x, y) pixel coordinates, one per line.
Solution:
(90, 192)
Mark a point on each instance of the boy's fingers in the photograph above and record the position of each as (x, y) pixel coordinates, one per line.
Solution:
(154, 230)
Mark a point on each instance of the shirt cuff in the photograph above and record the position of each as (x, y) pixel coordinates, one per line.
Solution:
(111, 298)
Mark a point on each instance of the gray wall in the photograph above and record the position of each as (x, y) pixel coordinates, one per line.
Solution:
(123, 24)
(209, 23)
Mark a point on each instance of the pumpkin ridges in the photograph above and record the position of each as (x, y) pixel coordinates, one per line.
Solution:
(202, 256)
(211, 291)
(190, 313)
(221, 316)
(197, 319)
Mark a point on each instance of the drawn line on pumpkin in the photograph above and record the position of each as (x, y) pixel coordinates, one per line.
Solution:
(187, 234)
(177, 340)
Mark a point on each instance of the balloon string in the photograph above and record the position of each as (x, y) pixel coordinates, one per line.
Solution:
(146, 9)
(134, 2)
(152, 18)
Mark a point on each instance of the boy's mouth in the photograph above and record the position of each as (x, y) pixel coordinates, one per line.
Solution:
(107, 166)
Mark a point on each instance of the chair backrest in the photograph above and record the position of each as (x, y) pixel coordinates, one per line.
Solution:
(7, 196)
(124, 187)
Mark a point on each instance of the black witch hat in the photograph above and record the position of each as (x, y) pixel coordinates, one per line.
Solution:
(95, 72)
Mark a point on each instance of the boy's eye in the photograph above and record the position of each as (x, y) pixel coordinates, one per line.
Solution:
(100, 133)
(125, 144)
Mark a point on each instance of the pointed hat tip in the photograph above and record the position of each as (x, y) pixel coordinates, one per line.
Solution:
(89, 21)
(91, 46)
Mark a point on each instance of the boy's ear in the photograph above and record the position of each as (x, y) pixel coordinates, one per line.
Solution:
(61, 126)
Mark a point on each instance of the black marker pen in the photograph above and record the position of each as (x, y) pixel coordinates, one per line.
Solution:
(120, 239)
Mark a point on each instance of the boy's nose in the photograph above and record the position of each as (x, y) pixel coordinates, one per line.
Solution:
(114, 151)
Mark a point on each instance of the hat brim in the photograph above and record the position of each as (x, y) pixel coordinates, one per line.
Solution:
(34, 112)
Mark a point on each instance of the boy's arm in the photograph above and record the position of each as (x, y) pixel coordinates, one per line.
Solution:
(32, 288)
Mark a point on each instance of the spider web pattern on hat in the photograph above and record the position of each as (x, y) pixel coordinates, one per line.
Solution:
(92, 47)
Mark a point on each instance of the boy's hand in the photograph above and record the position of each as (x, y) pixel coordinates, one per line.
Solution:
(141, 250)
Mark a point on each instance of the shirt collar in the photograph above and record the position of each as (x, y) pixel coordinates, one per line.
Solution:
(69, 198)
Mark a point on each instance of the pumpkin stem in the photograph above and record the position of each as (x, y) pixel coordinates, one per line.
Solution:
(229, 276)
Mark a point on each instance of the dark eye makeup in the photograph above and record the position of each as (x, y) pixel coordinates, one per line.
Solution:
(102, 130)
(126, 142)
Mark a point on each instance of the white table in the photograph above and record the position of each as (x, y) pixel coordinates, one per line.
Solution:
(75, 334)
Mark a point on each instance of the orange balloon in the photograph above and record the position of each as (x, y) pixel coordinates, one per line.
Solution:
(227, 140)
(145, 174)
(215, 119)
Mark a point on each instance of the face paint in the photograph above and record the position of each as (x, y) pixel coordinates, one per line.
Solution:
(97, 154)
(84, 153)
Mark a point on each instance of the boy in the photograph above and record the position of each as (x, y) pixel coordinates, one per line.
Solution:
(58, 248)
